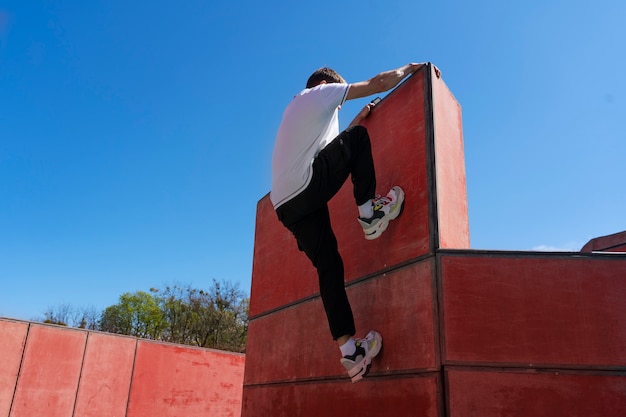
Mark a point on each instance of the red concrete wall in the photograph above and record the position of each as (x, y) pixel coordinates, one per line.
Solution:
(465, 333)
(12, 341)
(408, 396)
(174, 381)
(534, 310)
(56, 371)
(449, 191)
(391, 282)
(399, 305)
(514, 392)
(402, 129)
(106, 376)
(610, 243)
(49, 374)
(533, 334)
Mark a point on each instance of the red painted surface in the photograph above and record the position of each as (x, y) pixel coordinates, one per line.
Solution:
(177, 381)
(451, 190)
(496, 393)
(50, 371)
(407, 396)
(295, 343)
(106, 374)
(401, 117)
(611, 243)
(554, 310)
(12, 340)
(280, 273)
(400, 133)
(57, 371)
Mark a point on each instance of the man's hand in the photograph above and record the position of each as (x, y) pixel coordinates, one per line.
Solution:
(382, 82)
(363, 114)
(437, 71)
(412, 67)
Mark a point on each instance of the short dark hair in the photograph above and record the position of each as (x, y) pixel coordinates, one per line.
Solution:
(324, 74)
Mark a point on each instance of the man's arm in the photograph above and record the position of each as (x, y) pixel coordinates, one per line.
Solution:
(364, 113)
(381, 82)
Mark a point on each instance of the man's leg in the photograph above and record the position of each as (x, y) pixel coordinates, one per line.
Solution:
(349, 154)
(316, 238)
(307, 217)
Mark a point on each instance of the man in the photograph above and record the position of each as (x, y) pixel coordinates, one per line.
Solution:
(310, 163)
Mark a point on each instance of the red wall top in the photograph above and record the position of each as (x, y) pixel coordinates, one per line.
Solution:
(611, 243)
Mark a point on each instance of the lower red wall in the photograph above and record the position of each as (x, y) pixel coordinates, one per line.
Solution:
(56, 371)
(410, 395)
(48, 378)
(532, 334)
(467, 333)
(534, 310)
(11, 349)
(492, 392)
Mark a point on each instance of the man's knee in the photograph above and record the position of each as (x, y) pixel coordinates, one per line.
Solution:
(358, 130)
(358, 138)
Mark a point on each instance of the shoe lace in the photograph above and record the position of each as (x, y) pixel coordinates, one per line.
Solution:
(380, 201)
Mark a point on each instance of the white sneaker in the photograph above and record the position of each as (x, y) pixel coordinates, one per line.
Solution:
(358, 364)
(385, 209)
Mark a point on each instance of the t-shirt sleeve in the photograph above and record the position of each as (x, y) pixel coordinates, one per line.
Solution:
(334, 94)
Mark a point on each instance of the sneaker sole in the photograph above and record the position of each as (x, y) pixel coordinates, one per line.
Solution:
(384, 223)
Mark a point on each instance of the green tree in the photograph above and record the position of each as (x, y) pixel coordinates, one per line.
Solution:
(217, 318)
(227, 319)
(137, 314)
(179, 316)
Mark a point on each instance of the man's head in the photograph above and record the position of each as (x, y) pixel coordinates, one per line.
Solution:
(324, 75)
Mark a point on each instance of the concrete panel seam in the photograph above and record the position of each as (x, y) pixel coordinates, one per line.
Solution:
(431, 177)
(536, 366)
(19, 370)
(439, 318)
(441, 334)
(490, 253)
(408, 373)
(80, 375)
(539, 371)
(132, 377)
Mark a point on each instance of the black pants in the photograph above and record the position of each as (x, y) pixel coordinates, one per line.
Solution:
(307, 217)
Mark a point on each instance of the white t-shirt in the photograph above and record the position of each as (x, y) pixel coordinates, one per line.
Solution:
(309, 123)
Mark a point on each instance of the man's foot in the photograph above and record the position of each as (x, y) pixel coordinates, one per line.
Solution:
(385, 209)
(358, 364)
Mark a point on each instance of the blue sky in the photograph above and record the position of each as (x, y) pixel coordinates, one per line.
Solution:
(136, 137)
